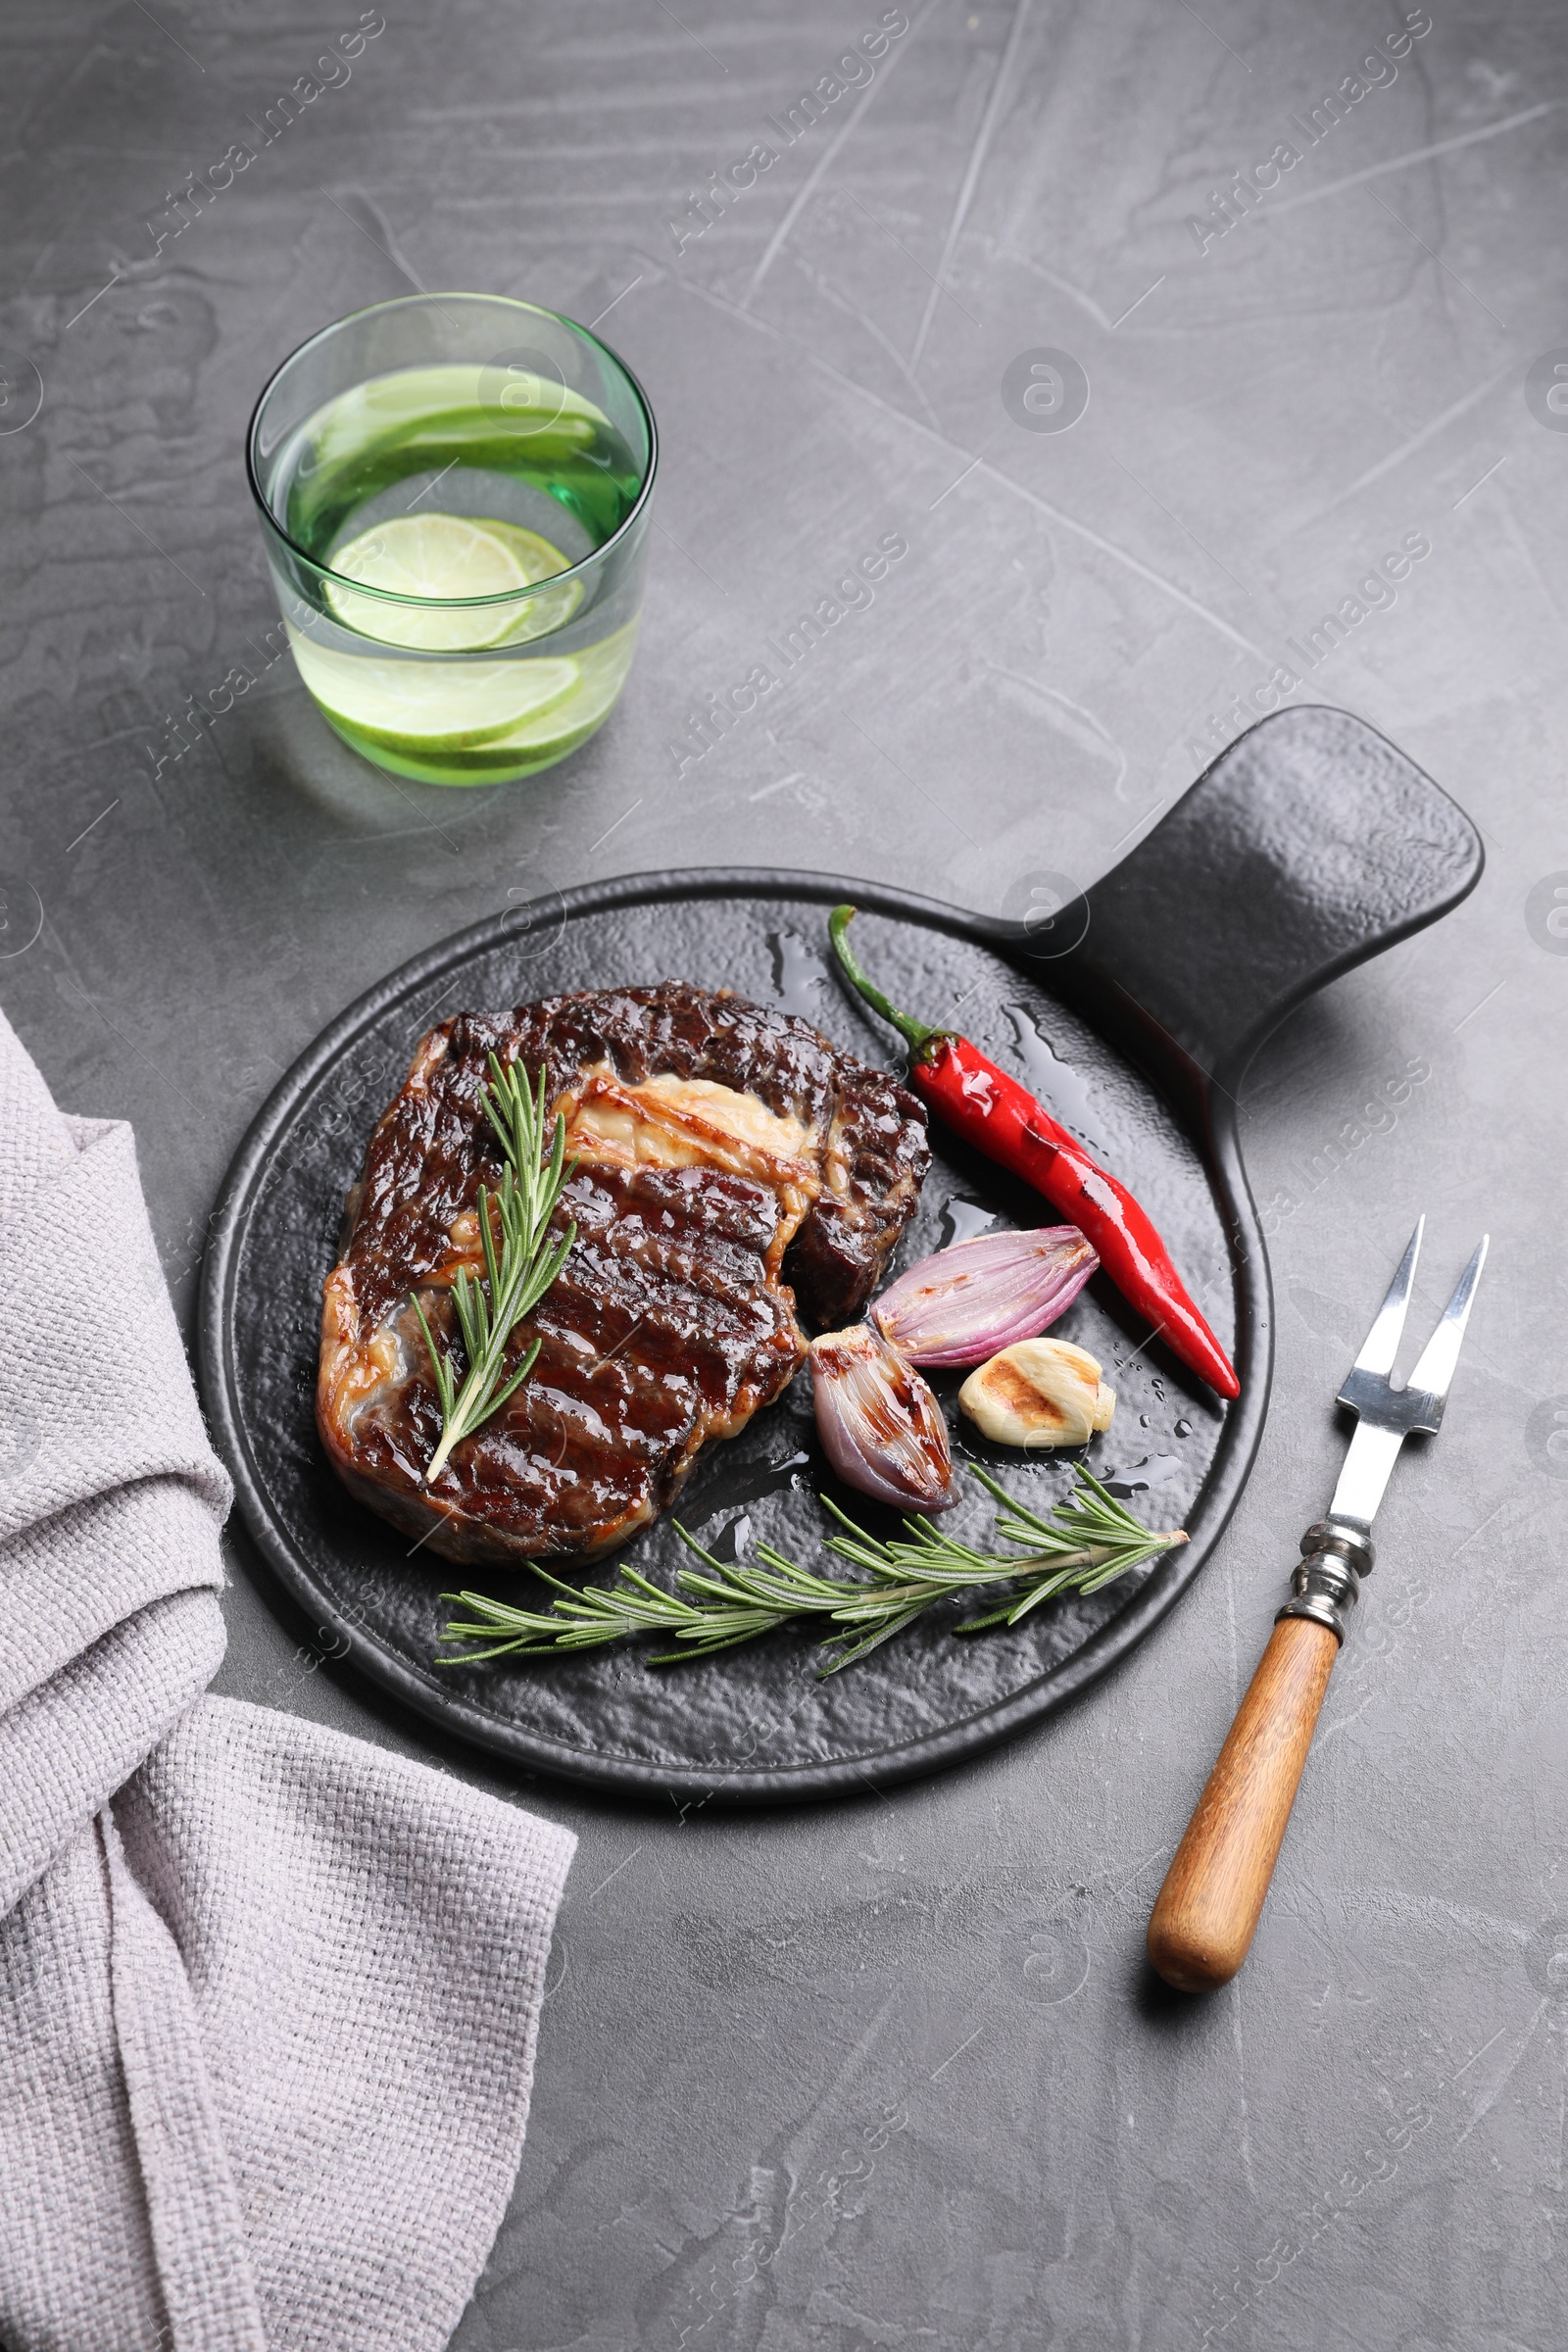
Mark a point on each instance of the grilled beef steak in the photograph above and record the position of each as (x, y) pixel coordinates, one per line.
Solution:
(731, 1163)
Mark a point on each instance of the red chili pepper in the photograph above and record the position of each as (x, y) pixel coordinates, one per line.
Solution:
(992, 1110)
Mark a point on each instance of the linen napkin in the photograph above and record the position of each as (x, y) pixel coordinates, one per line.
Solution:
(268, 1996)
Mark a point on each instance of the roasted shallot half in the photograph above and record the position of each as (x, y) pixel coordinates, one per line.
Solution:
(881, 1428)
(965, 1303)
(1040, 1392)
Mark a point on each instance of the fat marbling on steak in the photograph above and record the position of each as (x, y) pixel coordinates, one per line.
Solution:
(732, 1165)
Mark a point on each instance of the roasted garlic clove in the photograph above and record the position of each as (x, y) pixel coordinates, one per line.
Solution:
(1039, 1392)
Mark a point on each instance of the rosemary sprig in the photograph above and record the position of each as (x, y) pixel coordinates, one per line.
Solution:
(1085, 1541)
(516, 1274)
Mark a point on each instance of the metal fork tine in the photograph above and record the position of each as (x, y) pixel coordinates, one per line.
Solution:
(1382, 1342)
(1441, 1353)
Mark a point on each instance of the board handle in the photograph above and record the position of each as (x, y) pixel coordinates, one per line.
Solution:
(1206, 1912)
(1309, 844)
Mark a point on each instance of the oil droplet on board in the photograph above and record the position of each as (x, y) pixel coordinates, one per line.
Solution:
(800, 974)
(962, 1220)
(733, 1542)
(1151, 1472)
(1062, 1089)
(741, 1481)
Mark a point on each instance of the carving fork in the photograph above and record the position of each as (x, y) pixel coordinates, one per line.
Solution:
(1207, 1910)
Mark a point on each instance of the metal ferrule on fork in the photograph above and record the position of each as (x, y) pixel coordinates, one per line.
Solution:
(1327, 1583)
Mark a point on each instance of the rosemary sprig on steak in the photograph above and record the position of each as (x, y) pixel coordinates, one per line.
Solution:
(516, 1275)
(1085, 1541)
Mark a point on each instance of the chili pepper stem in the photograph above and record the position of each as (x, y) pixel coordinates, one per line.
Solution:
(918, 1034)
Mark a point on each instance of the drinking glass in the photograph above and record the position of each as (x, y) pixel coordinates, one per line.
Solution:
(455, 493)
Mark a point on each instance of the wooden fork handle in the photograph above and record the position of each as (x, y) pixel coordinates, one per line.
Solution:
(1206, 1913)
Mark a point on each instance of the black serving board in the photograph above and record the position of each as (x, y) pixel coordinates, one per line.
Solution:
(1310, 845)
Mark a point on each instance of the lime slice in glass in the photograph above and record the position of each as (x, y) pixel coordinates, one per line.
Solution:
(601, 674)
(438, 559)
(443, 706)
(540, 614)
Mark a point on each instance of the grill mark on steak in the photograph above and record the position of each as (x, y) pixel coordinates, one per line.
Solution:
(731, 1164)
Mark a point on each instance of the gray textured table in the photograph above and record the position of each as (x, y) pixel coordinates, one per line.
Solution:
(893, 2073)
